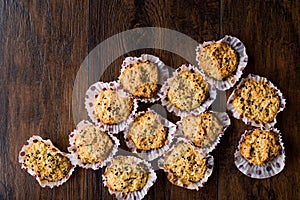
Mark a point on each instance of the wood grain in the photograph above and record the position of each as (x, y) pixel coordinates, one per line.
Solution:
(270, 30)
(42, 46)
(133, 14)
(44, 43)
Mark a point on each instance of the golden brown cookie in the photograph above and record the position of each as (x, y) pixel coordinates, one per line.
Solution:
(140, 79)
(147, 132)
(111, 108)
(186, 164)
(202, 130)
(260, 146)
(257, 101)
(49, 165)
(123, 176)
(188, 90)
(219, 60)
(93, 145)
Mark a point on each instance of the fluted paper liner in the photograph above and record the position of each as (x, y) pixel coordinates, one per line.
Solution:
(209, 170)
(46, 184)
(203, 107)
(154, 153)
(92, 94)
(230, 81)
(260, 171)
(73, 149)
(246, 120)
(163, 72)
(223, 119)
(137, 195)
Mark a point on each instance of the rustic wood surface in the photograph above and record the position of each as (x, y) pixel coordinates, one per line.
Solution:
(43, 44)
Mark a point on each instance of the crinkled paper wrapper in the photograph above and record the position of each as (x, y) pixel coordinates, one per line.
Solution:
(203, 107)
(222, 117)
(260, 171)
(163, 74)
(246, 120)
(93, 92)
(46, 184)
(155, 153)
(230, 81)
(210, 166)
(73, 150)
(137, 195)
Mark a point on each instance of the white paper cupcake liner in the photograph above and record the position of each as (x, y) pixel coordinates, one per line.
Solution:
(246, 120)
(90, 96)
(203, 107)
(73, 150)
(260, 171)
(222, 117)
(137, 195)
(239, 47)
(162, 69)
(155, 153)
(210, 166)
(46, 184)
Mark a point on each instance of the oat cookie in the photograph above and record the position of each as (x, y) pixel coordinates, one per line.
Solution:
(257, 101)
(186, 164)
(260, 147)
(49, 165)
(111, 108)
(93, 145)
(202, 130)
(123, 176)
(147, 132)
(188, 90)
(219, 60)
(141, 79)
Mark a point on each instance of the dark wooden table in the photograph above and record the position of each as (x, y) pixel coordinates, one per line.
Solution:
(43, 44)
